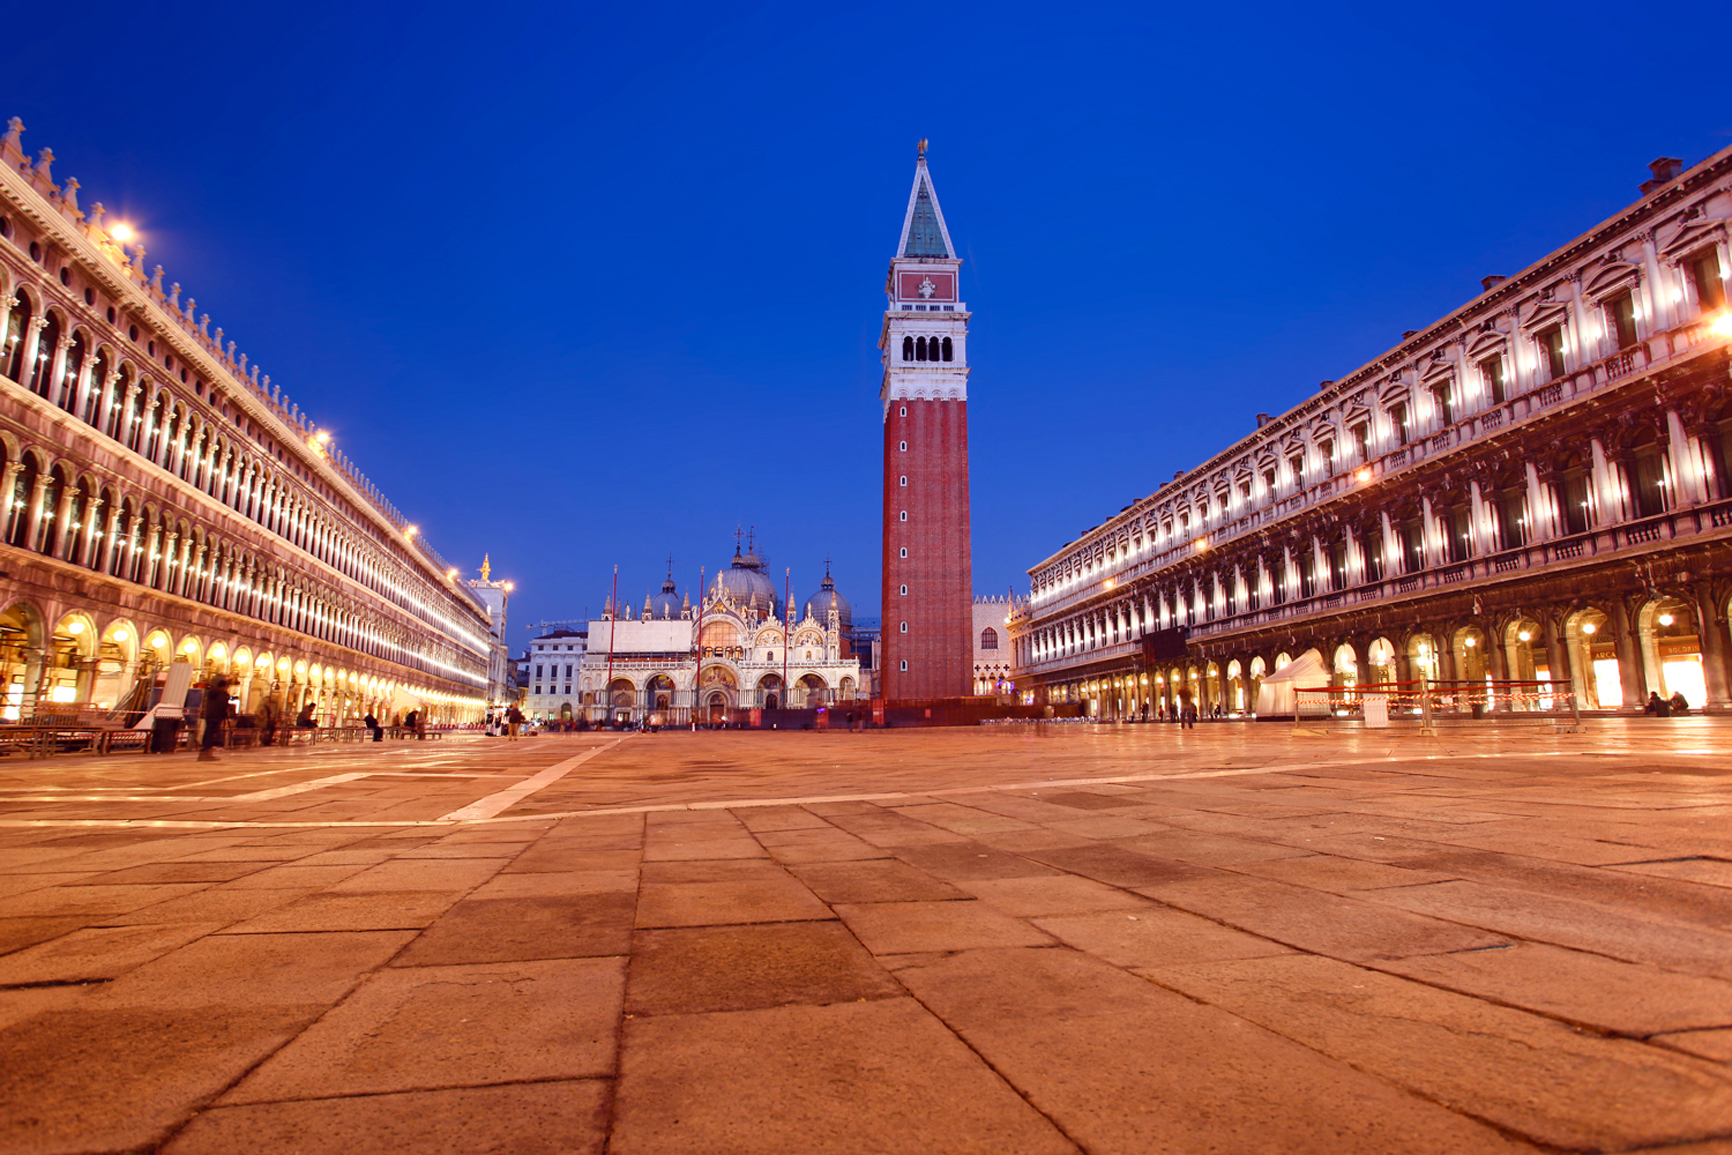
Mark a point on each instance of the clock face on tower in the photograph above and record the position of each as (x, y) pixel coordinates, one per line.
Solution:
(922, 285)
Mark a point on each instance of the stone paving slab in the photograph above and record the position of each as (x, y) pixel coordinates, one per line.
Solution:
(1519, 1071)
(856, 1077)
(1111, 939)
(1164, 1072)
(548, 1118)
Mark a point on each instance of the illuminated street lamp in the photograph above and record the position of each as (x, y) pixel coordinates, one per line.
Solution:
(121, 232)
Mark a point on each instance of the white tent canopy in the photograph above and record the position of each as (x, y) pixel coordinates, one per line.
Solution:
(1275, 697)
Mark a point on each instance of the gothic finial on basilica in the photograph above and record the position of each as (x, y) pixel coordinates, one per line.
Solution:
(922, 150)
(486, 566)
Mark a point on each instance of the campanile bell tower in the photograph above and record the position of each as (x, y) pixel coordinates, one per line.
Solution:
(928, 602)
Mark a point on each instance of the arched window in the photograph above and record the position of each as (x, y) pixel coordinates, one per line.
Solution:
(19, 513)
(908, 348)
(920, 349)
(93, 396)
(67, 395)
(17, 325)
(989, 639)
(78, 511)
(123, 421)
(947, 348)
(43, 364)
(51, 509)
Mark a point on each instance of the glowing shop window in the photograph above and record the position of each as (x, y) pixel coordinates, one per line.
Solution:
(63, 694)
(1683, 675)
(1608, 688)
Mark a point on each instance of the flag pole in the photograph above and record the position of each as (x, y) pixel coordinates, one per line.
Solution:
(787, 627)
(698, 644)
(612, 619)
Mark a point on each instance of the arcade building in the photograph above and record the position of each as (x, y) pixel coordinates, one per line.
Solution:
(165, 505)
(1535, 487)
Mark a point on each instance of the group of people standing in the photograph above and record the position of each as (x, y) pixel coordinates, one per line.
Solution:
(216, 708)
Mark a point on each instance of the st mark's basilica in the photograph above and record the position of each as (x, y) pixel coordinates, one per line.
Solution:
(739, 651)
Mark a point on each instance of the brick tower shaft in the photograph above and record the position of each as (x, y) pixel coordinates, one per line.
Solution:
(928, 596)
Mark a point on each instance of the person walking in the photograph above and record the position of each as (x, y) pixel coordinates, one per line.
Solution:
(215, 708)
(373, 726)
(513, 723)
(1187, 711)
(268, 720)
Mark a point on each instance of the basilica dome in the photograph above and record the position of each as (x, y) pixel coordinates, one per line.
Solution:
(819, 605)
(665, 606)
(747, 584)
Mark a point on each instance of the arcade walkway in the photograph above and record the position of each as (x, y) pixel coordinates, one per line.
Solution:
(1233, 939)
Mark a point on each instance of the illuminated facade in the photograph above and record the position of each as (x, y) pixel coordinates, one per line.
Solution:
(1535, 487)
(166, 504)
(749, 653)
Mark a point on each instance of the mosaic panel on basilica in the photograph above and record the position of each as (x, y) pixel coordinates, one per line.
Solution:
(1533, 490)
(166, 505)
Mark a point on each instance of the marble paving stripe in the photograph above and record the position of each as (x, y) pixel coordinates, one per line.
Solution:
(494, 804)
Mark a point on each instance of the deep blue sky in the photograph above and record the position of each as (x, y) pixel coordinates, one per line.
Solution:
(582, 285)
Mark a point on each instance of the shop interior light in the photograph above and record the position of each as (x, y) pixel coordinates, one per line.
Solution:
(1665, 619)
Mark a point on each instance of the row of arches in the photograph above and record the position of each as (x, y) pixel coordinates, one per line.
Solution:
(927, 349)
(1610, 655)
(126, 401)
(56, 509)
(1646, 464)
(1626, 476)
(717, 698)
(77, 663)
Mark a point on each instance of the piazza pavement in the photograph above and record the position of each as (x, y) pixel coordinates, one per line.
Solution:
(999, 939)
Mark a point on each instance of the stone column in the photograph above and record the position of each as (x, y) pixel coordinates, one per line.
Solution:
(1686, 478)
(33, 532)
(1539, 527)
(1557, 657)
(95, 535)
(1497, 669)
(105, 553)
(8, 492)
(1630, 672)
(1608, 497)
(1716, 669)
(62, 515)
(1445, 648)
